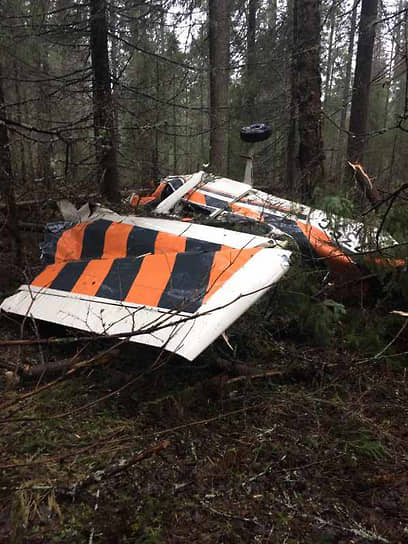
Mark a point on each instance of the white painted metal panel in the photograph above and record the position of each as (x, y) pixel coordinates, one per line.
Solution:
(178, 332)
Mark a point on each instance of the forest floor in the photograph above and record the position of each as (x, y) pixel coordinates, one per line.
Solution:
(315, 452)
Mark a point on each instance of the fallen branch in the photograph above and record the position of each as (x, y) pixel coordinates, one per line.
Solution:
(46, 341)
(75, 367)
(57, 367)
(266, 374)
(228, 515)
(66, 365)
(102, 475)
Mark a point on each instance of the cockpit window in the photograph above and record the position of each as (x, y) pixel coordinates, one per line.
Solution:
(172, 185)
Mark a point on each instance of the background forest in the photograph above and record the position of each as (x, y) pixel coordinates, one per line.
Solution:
(174, 88)
(297, 435)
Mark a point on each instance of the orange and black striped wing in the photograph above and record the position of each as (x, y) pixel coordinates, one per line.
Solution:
(136, 265)
(103, 239)
(174, 281)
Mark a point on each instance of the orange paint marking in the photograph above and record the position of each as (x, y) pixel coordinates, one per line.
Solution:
(48, 275)
(226, 263)
(169, 243)
(196, 197)
(69, 246)
(116, 238)
(92, 277)
(152, 279)
(335, 259)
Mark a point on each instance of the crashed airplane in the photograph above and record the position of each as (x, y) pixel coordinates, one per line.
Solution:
(174, 283)
(324, 239)
(170, 284)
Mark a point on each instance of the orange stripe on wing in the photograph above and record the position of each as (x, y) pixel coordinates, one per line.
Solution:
(241, 210)
(169, 243)
(116, 238)
(335, 259)
(152, 279)
(226, 263)
(69, 246)
(197, 197)
(48, 275)
(92, 277)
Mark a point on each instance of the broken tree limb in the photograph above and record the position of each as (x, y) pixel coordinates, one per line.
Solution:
(56, 368)
(66, 365)
(365, 184)
(42, 341)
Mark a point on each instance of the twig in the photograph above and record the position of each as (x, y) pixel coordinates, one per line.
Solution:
(227, 515)
(253, 376)
(103, 475)
(401, 330)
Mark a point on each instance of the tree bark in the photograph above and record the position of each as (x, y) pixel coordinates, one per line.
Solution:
(6, 183)
(20, 163)
(105, 141)
(329, 67)
(346, 95)
(219, 24)
(362, 77)
(251, 60)
(308, 94)
(293, 113)
(40, 49)
(115, 68)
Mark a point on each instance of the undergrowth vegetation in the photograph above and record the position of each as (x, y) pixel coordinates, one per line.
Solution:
(313, 452)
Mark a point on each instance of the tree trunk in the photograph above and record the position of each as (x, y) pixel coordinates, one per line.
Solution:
(251, 60)
(45, 148)
(20, 155)
(346, 95)
(40, 50)
(219, 24)
(291, 137)
(156, 140)
(6, 184)
(115, 68)
(362, 77)
(329, 67)
(105, 143)
(310, 154)
(272, 16)
(399, 66)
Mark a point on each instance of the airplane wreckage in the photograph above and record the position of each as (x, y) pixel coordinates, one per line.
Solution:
(173, 282)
